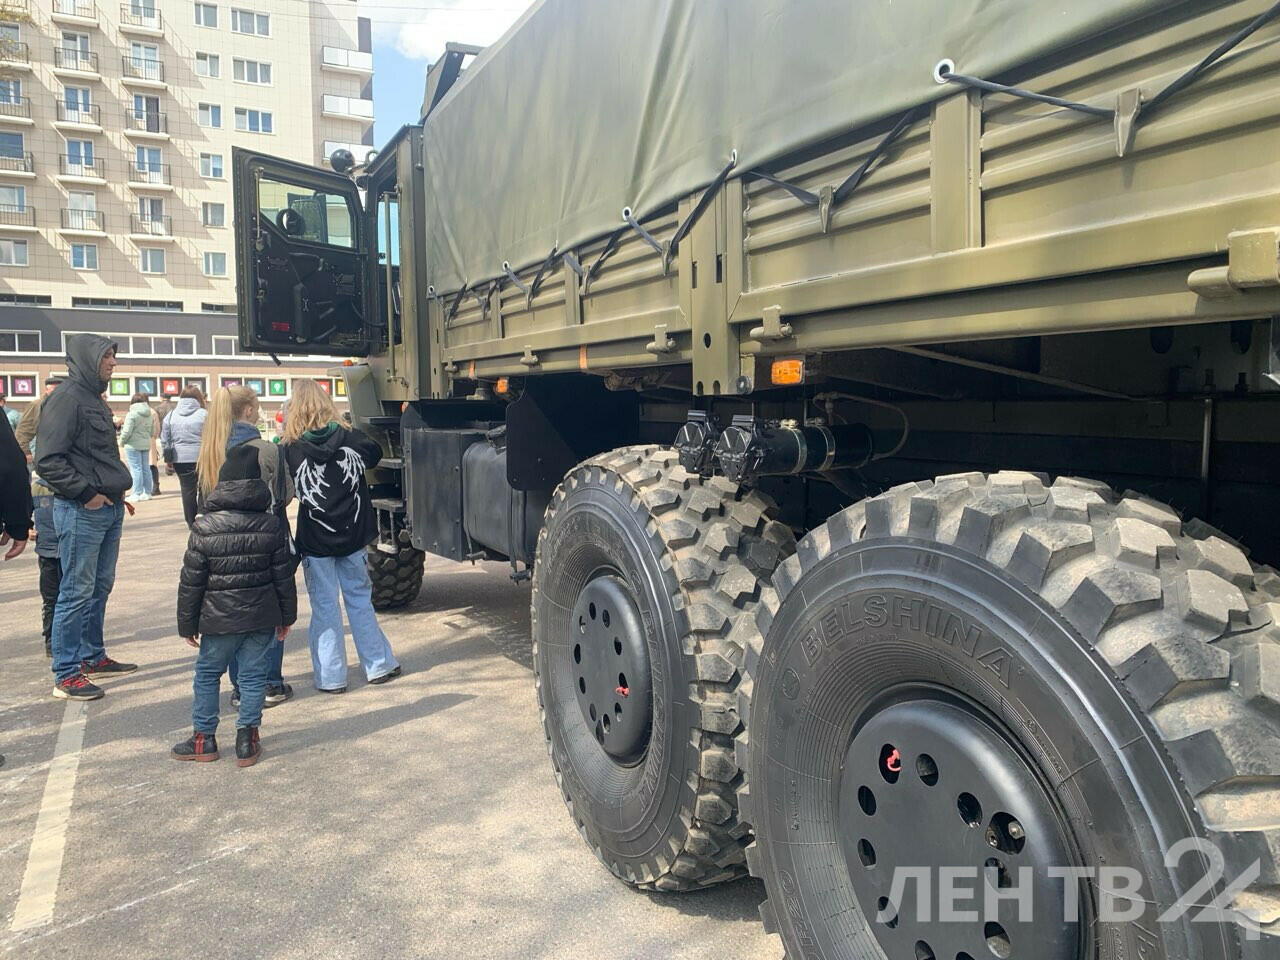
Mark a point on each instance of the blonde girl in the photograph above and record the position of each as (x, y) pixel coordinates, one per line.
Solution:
(232, 420)
(335, 524)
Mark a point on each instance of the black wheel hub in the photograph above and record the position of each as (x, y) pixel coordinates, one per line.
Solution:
(930, 783)
(610, 662)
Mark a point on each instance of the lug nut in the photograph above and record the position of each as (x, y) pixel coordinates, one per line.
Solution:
(1015, 830)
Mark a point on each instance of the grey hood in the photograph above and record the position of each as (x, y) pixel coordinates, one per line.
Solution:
(84, 359)
(186, 407)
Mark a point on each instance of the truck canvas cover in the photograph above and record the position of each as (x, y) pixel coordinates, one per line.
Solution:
(588, 106)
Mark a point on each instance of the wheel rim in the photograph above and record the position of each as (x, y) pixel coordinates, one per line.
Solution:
(929, 782)
(609, 659)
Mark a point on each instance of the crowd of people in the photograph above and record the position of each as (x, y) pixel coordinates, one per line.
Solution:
(62, 472)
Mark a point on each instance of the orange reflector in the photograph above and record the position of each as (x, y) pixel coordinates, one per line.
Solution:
(348, 362)
(785, 373)
(503, 385)
(404, 406)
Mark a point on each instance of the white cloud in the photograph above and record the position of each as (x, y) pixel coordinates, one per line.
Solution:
(420, 31)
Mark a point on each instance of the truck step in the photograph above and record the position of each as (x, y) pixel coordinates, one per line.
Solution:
(391, 463)
(382, 421)
(387, 548)
(391, 506)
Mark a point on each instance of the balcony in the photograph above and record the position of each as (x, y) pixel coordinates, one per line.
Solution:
(21, 165)
(79, 116)
(150, 176)
(82, 222)
(150, 228)
(14, 217)
(142, 72)
(76, 62)
(141, 18)
(347, 108)
(81, 169)
(343, 60)
(16, 110)
(149, 124)
(15, 56)
(77, 12)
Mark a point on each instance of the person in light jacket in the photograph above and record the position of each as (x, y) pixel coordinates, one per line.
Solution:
(180, 436)
(135, 437)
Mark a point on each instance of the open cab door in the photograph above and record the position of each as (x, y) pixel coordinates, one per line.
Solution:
(302, 259)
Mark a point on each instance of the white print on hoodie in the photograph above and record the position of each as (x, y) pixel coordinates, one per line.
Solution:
(311, 483)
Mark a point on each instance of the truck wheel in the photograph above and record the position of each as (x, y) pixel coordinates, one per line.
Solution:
(397, 577)
(990, 674)
(643, 597)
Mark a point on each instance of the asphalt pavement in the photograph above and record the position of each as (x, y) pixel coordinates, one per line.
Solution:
(414, 819)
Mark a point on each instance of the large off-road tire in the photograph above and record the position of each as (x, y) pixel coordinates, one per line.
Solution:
(995, 672)
(650, 575)
(397, 577)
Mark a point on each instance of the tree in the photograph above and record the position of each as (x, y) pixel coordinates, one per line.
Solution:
(11, 50)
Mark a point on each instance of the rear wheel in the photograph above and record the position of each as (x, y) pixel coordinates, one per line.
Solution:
(988, 674)
(643, 597)
(396, 577)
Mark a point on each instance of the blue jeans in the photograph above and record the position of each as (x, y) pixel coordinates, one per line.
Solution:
(249, 653)
(140, 467)
(275, 667)
(325, 577)
(46, 532)
(88, 545)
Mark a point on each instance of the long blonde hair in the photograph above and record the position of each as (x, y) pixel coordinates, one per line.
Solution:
(228, 405)
(310, 408)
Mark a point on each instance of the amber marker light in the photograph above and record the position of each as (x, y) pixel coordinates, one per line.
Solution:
(786, 373)
(503, 385)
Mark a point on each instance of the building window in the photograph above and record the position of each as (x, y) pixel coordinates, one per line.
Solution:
(211, 165)
(209, 115)
(19, 341)
(84, 256)
(213, 214)
(13, 253)
(251, 71)
(247, 21)
(218, 307)
(110, 303)
(10, 90)
(224, 347)
(215, 264)
(208, 65)
(254, 121)
(206, 15)
(151, 260)
(13, 199)
(25, 299)
(13, 146)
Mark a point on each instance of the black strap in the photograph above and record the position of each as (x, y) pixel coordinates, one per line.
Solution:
(457, 302)
(946, 75)
(542, 271)
(800, 193)
(511, 275)
(605, 254)
(700, 207)
(645, 235)
(855, 179)
(574, 265)
(1218, 53)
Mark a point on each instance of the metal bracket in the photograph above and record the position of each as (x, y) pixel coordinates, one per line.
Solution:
(660, 343)
(1253, 262)
(529, 358)
(1128, 106)
(826, 201)
(450, 368)
(771, 327)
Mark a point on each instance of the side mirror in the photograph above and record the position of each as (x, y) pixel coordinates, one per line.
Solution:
(342, 161)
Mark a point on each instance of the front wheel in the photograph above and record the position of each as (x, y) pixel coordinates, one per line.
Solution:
(998, 717)
(396, 577)
(643, 597)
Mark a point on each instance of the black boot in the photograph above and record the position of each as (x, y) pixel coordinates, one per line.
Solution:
(201, 747)
(248, 749)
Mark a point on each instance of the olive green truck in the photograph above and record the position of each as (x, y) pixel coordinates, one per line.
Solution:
(772, 342)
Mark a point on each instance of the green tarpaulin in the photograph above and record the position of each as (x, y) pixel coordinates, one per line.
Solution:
(587, 106)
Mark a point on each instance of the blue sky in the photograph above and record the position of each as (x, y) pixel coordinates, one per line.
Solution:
(408, 35)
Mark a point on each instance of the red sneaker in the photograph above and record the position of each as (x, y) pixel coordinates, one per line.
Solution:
(77, 687)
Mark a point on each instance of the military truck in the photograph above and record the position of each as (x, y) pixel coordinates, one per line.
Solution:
(882, 401)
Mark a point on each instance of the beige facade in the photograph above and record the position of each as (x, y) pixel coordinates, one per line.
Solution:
(117, 123)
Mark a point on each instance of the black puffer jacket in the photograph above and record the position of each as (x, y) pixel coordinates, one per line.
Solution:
(237, 575)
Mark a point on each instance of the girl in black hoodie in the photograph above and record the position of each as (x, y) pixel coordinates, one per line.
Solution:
(335, 524)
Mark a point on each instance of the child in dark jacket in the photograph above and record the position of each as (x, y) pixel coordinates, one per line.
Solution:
(236, 597)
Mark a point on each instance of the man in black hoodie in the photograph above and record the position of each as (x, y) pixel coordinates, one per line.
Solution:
(77, 457)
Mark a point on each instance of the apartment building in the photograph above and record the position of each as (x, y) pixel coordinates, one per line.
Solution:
(117, 122)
